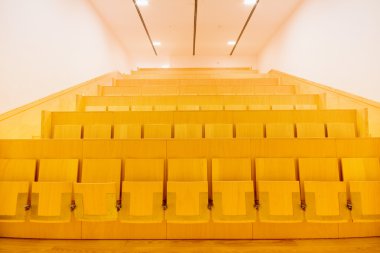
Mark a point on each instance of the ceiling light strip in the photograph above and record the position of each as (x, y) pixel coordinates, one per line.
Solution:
(245, 25)
(195, 25)
(146, 29)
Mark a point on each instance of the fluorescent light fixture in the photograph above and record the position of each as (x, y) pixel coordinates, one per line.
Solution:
(156, 43)
(165, 66)
(250, 2)
(142, 2)
(231, 42)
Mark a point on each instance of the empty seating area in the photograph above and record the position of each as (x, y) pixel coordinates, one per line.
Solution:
(195, 131)
(197, 190)
(244, 102)
(274, 124)
(194, 154)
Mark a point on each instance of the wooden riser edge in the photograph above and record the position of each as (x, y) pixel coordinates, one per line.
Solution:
(116, 230)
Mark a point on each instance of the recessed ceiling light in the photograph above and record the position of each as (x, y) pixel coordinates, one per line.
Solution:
(231, 42)
(142, 2)
(250, 2)
(165, 66)
(157, 43)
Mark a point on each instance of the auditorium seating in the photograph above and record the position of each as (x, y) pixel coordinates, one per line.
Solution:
(98, 191)
(281, 124)
(127, 131)
(278, 190)
(362, 176)
(310, 130)
(52, 194)
(194, 154)
(142, 191)
(322, 191)
(16, 176)
(232, 191)
(254, 130)
(188, 131)
(67, 132)
(230, 102)
(187, 191)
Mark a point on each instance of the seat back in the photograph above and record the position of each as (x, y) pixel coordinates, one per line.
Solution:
(157, 131)
(310, 130)
(67, 132)
(127, 131)
(187, 191)
(322, 191)
(16, 176)
(278, 190)
(279, 130)
(142, 194)
(97, 131)
(254, 130)
(215, 131)
(188, 131)
(232, 190)
(341, 130)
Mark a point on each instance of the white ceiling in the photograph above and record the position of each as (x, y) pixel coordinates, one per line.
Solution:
(171, 23)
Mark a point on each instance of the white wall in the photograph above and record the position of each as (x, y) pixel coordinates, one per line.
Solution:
(194, 61)
(333, 42)
(50, 45)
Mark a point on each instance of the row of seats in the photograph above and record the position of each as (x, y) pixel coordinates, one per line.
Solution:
(169, 81)
(93, 108)
(193, 76)
(187, 192)
(265, 89)
(193, 131)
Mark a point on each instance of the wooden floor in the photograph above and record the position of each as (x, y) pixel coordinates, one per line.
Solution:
(365, 245)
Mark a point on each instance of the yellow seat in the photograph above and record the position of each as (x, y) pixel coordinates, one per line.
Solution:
(187, 191)
(97, 131)
(325, 196)
(211, 107)
(52, 195)
(254, 130)
(235, 107)
(361, 169)
(97, 193)
(165, 108)
(306, 107)
(93, 108)
(15, 178)
(282, 107)
(95, 202)
(279, 130)
(341, 130)
(275, 169)
(188, 131)
(365, 198)
(157, 131)
(278, 190)
(58, 170)
(141, 108)
(216, 131)
(258, 107)
(310, 130)
(51, 201)
(188, 108)
(142, 194)
(118, 108)
(127, 131)
(67, 132)
(363, 178)
(14, 199)
(232, 191)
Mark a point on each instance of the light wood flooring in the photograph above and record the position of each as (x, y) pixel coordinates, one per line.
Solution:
(364, 245)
